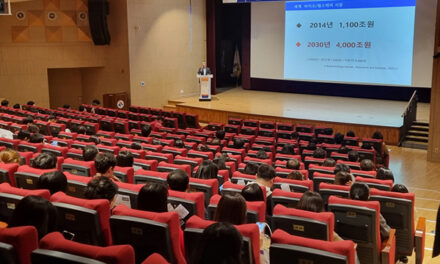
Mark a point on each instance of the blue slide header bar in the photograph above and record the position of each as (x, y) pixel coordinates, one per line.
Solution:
(346, 4)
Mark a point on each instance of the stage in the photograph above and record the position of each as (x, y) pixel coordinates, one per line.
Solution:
(364, 116)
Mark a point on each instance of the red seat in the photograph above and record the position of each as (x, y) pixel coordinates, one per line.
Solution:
(27, 177)
(352, 165)
(384, 185)
(233, 151)
(106, 141)
(230, 128)
(168, 167)
(155, 258)
(320, 169)
(249, 131)
(7, 172)
(59, 161)
(108, 149)
(258, 161)
(78, 167)
(76, 185)
(125, 174)
(242, 178)
(339, 156)
(208, 187)
(193, 202)
(144, 164)
(293, 185)
(161, 233)
(285, 246)
(304, 128)
(231, 188)
(318, 178)
(120, 254)
(129, 193)
(287, 157)
(283, 173)
(256, 211)
(200, 154)
(175, 151)
(351, 141)
(74, 153)
(56, 150)
(285, 126)
(151, 147)
(62, 142)
(27, 146)
(146, 140)
(67, 135)
(235, 121)
(137, 153)
(121, 126)
(193, 162)
(288, 199)
(145, 176)
(23, 239)
(88, 220)
(327, 189)
(364, 174)
(198, 140)
(105, 134)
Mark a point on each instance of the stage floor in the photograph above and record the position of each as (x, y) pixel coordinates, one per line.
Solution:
(308, 107)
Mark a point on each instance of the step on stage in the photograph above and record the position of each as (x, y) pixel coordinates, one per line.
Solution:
(363, 116)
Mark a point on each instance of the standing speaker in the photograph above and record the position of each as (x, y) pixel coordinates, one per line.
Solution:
(98, 11)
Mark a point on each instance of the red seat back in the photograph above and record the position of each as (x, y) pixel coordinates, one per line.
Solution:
(24, 239)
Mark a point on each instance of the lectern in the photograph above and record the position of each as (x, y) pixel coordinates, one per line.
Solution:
(205, 87)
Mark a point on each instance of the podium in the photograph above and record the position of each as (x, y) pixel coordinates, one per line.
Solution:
(205, 87)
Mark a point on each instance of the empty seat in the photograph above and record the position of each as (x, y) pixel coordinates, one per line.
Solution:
(167, 157)
(17, 243)
(293, 185)
(168, 167)
(78, 167)
(125, 174)
(326, 190)
(200, 154)
(384, 185)
(193, 162)
(7, 172)
(32, 147)
(55, 150)
(208, 187)
(144, 164)
(145, 176)
(287, 199)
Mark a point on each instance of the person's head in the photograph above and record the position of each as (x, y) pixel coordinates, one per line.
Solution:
(294, 135)
(252, 193)
(179, 143)
(261, 154)
(10, 156)
(96, 102)
(35, 211)
(203, 148)
(105, 163)
(359, 191)
(216, 141)
(367, 165)
(311, 201)
(101, 187)
(238, 143)
(82, 130)
(153, 197)
(33, 128)
(311, 146)
(343, 178)
(52, 119)
(399, 188)
(36, 138)
(343, 150)
(66, 106)
(295, 175)
(81, 108)
(54, 181)
(220, 134)
(293, 164)
(339, 138)
(384, 174)
(251, 168)
(90, 152)
(146, 130)
(319, 153)
(45, 161)
(30, 103)
(231, 209)
(350, 134)
(207, 170)
(23, 135)
(204, 64)
(136, 146)
(178, 180)
(341, 167)
(288, 149)
(5, 102)
(124, 159)
(377, 135)
(265, 175)
(220, 243)
(329, 162)
(353, 156)
(17, 106)
(220, 162)
(28, 120)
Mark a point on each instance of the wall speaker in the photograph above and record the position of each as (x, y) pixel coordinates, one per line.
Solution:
(98, 12)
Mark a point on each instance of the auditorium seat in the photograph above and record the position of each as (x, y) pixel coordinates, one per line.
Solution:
(351, 141)
(73, 153)
(364, 174)
(168, 167)
(248, 159)
(250, 233)
(79, 167)
(339, 156)
(144, 164)
(327, 189)
(63, 142)
(320, 169)
(200, 154)
(54, 248)
(230, 128)
(208, 187)
(76, 185)
(55, 150)
(7, 173)
(235, 121)
(318, 178)
(233, 151)
(192, 120)
(265, 140)
(108, 149)
(282, 172)
(125, 174)
(293, 185)
(148, 232)
(231, 188)
(155, 258)
(193, 162)
(285, 246)
(144, 176)
(352, 165)
(27, 146)
(17, 243)
(175, 151)
(304, 223)
(287, 199)
(242, 178)
(81, 145)
(151, 147)
(359, 221)
(25, 157)
(193, 202)
(384, 185)
(256, 211)
(87, 220)
(139, 154)
(167, 157)
(106, 141)
(26, 177)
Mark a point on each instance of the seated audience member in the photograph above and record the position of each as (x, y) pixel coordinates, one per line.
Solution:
(238, 143)
(28, 120)
(90, 131)
(220, 162)
(24, 135)
(329, 162)
(231, 209)
(54, 181)
(265, 177)
(339, 138)
(384, 174)
(5, 102)
(104, 164)
(66, 106)
(44, 161)
(153, 197)
(81, 130)
(203, 148)
(341, 167)
(124, 159)
(251, 168)
(288, 149)
(17, 106)
(295, 175)
(90, 152)
(178, 180)
(382, 153)
(216, 142)
(36, 138)
(367, 165)
(146, 130)
(344, 150)
(33, 128)
(178, 143)
(136, 146)
(361, 191)
(95, 139)
(399, 188)
(350, 134)
(319, 153)
(81, 108)
(10, 156)
(95, 103)
(52, 119)
(101, 188)
(261, 154)
(220, 134)
(294, 135)
(353, 156)
(31, 103)
(35, 211)
(221, 243)
(207, 170)
(343, 178)
(252, 192)
(366, 145)
(293, 164)
(311, 146)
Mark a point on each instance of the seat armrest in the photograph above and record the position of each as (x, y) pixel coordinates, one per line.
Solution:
(419, 239)
(388, 252)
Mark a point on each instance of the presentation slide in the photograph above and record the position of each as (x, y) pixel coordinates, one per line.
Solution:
(367, 41)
